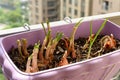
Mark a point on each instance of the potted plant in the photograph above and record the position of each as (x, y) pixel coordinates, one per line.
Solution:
(47, 54)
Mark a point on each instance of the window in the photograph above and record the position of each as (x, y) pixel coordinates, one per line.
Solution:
(70, 1)
(43, 11)
(36, 9)
(36, 2)
(82, 5)
(76, 12)
(69, 10)
(51, 11)
(50, 3)
(111, 5)
(82, 14)
(64, 1)
(37, 17)
(82, 8)
(105, 5)
(64, 15)
(76, 2)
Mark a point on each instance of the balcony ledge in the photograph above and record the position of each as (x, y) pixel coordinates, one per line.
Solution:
(114, 17)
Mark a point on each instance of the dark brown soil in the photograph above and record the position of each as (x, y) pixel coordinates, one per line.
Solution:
(58, 53)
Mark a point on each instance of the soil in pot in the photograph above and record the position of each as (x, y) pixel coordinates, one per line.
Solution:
(81, 54)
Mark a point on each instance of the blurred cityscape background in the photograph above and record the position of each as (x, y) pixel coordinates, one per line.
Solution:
(14, 13)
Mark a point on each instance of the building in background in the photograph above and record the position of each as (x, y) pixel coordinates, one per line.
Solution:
(104, 6)
(41, 10)
(74, 8)
(81, 8)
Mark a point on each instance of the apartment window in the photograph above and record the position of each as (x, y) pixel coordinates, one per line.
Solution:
(82, 14)
(51, 11)
(76, 2)
(43, 11)
(52, 18)
(37, 17)
(111, 5)
(36, 2)
(64, 15)
(76, 12)
(70, 1)
(82, 5)
(36, 9)
(64, 1)
(70, 10)
(105, 5)
(50, 3)
(64, 11)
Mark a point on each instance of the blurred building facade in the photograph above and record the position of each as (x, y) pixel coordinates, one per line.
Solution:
(74, 8)
(41, 10)
(105, 6)
(81, 8)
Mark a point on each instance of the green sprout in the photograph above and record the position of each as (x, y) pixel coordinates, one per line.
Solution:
(92, 41)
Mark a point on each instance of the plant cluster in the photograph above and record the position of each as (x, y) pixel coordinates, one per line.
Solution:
(60, 51)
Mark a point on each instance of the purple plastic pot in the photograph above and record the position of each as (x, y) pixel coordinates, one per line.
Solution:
(99, 68)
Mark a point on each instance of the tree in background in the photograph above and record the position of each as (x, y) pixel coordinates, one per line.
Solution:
(13, 18)
(2, 16)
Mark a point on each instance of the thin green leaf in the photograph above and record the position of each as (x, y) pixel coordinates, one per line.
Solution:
(48, 25)
(78, 23)
(44, 28)
(59, 36)
(48, 34)
(75, 29)
(90, 32)
(98, 32)
(37, 45)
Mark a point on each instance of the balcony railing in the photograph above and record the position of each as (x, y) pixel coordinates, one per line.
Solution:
(115, 17)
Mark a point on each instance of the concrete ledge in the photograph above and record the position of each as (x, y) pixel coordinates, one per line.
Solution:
(115, 19)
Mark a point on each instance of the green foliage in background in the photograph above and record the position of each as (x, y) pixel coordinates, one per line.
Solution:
(1, 75)
(12, 18)
(2, 16)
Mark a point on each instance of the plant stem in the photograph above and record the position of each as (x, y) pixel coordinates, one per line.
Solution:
(71, 46)
(92, 41)
(64, 60)
(28, 67)
(90, 32)
(19, 48)
(24, 47)
(49, 30)
(52, 45)
(45, 44)
(44, 28)
(34, 57)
